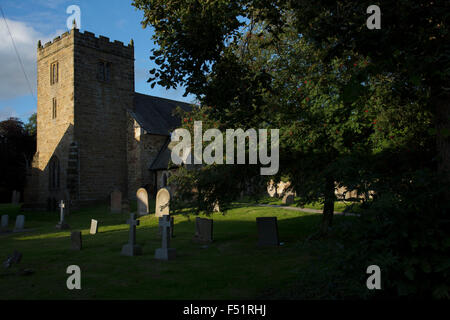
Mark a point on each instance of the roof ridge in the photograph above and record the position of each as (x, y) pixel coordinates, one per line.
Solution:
(161, 98)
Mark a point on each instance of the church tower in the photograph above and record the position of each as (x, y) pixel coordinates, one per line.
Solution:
(85, 87)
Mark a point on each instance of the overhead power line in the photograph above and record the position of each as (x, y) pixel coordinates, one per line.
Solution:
(18, 55)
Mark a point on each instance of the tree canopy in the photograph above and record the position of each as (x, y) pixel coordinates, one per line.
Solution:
(360, 108)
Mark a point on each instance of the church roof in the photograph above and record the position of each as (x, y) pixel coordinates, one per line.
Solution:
(155, 115)
(161, 161)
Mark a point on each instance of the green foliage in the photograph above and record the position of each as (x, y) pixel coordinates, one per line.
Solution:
(17, 147)
(367, 109)
(31, 126)
(406, 233)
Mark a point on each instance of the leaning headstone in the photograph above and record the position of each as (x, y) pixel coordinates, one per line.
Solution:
(288, 199)
(162, 202)
(142, 202)
(5, 221)
(20, 223)
(203, 230)
(62, 225)
(116, 201)
(12, 259)
(94, 227)
(165, 252)
(75, 237)
(131, 248)
(267, 231)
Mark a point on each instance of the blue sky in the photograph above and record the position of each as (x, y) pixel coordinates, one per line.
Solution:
(33, 20)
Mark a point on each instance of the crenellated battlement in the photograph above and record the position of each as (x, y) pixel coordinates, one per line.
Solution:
(87, 39)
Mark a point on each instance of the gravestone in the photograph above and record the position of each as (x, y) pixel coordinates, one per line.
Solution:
(75, 238)
(12, 259)
(172, 223)
(20, 223)
(216, 206)
(116, 201)
(203, 230)
(62, 225)
(165, 252)
(131, 248)
(94, 227)
(142, 202)
(5, 221)
(15, 197)
(162, 202)
(267, 231)
(288, 199)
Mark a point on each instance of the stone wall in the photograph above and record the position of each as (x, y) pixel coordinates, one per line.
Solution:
(142, 150)
(54, 134)
(100, 114)
(90, 115)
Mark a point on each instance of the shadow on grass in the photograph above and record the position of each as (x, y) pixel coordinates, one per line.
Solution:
(233, 266)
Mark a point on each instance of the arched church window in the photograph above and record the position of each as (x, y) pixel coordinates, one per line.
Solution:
(54, 173)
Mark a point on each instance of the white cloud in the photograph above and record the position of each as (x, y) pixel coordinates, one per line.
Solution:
(12, 80)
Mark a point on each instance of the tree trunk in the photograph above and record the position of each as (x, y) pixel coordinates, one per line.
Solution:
(328, 208)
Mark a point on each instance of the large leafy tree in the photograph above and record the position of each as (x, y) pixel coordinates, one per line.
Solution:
(253, 62)
(17, 146)
(365, 108)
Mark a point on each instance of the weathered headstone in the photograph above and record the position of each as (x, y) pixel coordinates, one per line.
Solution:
(62, 225)
(131, 248)
(142, 202)
(20, 223)
(267, 231)
(5, 221)
(94, 227)
(203, 230)
(116, 201)
(162, 202)
(172, 223)
(75, 238)
(165, 252)
(288, 199)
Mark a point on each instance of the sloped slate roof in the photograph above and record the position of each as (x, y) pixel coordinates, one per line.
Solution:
(161, 161)
(154, 114)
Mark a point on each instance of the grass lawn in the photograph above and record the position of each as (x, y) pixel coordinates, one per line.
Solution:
(339, 206)
(232, 267)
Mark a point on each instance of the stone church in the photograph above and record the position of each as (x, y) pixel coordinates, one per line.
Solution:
(95, 134)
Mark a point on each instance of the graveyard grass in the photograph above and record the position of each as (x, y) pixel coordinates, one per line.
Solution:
(232, 267)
